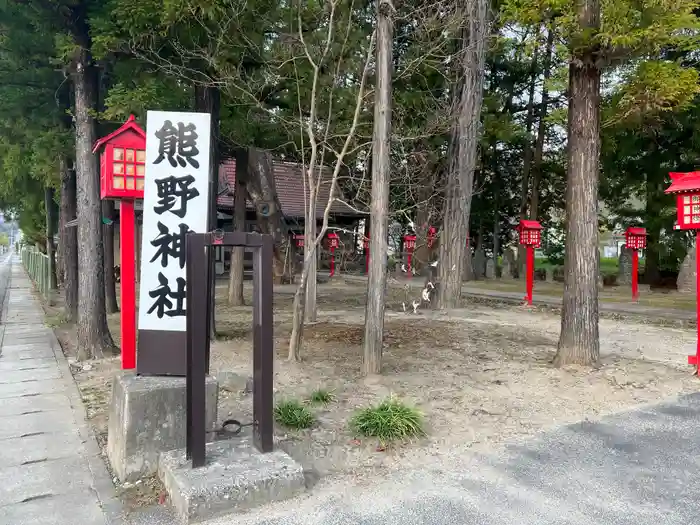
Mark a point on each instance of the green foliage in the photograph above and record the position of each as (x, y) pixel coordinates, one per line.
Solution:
(293, 414)
(652, 87)
(390, 420)
(321, 396)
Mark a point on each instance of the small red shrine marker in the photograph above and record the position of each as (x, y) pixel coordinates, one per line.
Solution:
(529, 232)
(635, 239)
(122, 172)
(332, 245)
(686, 187)
(409, 243)
(299, 240)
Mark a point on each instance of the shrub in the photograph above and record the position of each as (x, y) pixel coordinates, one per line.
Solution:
(293, 414)
(321, 397)
(388, 421)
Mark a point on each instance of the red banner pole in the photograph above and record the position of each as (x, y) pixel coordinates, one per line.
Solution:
(530, 272)
(127, 257)
(635, 274)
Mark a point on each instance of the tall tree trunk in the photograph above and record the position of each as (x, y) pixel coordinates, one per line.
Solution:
(60, 263)
(108, 235)
(424, 220)
(50, 232)
(579, 339)
(236, 268)
(94, 339)
(653, 210)
(379, 208)
(496, 212)
(465, 137)
(541, 131)
(527, 153)
(69, 241)
(262, 192)
(310, 233)
(208, 100)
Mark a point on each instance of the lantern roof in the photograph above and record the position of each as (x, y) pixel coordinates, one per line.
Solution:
(684, 182)
(332, 234)
(635, 230)
(129, 125)
(529, 225)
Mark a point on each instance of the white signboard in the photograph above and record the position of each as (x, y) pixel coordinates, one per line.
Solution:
(176, 200)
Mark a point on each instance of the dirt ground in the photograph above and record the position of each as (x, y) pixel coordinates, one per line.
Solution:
(480, 376)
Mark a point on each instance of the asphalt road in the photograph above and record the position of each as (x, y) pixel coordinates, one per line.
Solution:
(635, 468)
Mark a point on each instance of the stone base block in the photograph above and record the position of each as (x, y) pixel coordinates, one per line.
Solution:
(236, 478)
(148, 416)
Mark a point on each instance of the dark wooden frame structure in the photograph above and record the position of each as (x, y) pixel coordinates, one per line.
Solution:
(199, 255)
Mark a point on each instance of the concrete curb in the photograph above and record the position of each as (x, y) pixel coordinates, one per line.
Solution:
(102, 480)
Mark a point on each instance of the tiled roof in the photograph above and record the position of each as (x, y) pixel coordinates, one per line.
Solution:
(289, 181)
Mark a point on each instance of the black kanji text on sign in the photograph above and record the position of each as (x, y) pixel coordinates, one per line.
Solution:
(163, 305)
(170, 244)
(174, 191)
(178, 144)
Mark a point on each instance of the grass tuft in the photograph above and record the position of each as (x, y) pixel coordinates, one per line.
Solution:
(321, 397)
(293, 414)
(390, 420)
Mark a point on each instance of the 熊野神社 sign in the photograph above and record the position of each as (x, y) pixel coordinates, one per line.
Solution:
(176, 201)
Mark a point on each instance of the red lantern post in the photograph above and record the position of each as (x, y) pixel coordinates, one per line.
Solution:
(122, 172)
(530, 237)
(635, 239)
(299, 240)
(686, 187)
(332, 244)
(409, 243)
(432, 232)
(366, 246)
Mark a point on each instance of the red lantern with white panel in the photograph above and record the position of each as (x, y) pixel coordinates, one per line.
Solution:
(332, 245)
(530, 233)
(635, 240)
(122, 175)
(686, 188)
(299, 240)
(409, 244)
(530, 237)
(123, 162)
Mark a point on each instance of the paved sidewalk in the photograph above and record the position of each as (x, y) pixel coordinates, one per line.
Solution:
(47, 455)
